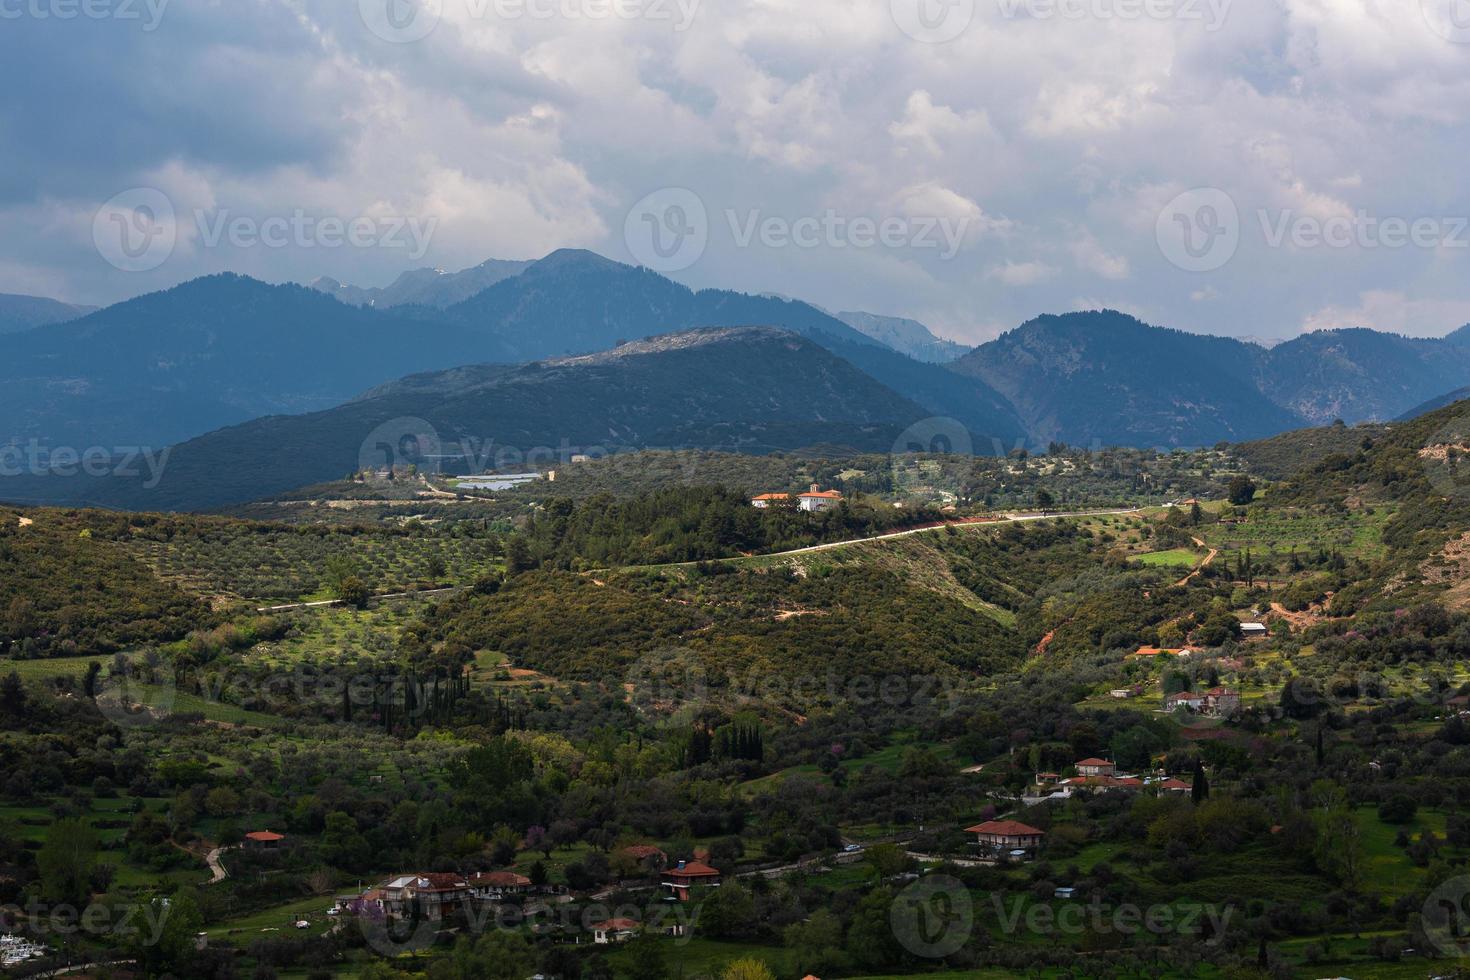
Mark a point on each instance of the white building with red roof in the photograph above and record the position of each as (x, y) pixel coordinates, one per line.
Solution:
(817, 499)
(1006, 835)
(689, 875)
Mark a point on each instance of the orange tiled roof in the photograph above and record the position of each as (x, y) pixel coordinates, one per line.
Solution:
(693, 869)
(1005, 828)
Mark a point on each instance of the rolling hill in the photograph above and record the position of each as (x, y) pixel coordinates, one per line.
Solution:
(1107, 378)
(19, 313)
(424, 287)
(575, 302)
(742, 389)
(1357, 375)
(212, 352)
(905, 336)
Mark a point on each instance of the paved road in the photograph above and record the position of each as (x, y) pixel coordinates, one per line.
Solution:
(1011, 519)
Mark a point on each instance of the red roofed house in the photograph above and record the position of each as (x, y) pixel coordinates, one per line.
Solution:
(1174, 786)
(766, 500)
(1101, 784)
(496, 885)
(818, 499)
(1006, 835)
(615, 930)
(263, 840)
(689, 875)
(1184, 699)
(1096, 767)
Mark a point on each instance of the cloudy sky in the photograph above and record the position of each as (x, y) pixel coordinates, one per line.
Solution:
(1252, 168)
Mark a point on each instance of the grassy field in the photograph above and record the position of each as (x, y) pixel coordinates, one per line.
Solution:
(1177, 558)
(702, 957)
(288, 565)
(889, 759)
(1354, 533)
(278, 918)
(340, 634)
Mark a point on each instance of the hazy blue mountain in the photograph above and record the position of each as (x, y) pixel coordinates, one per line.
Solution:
(576, 301)
(1359, 375)
(906, 336)
(214, 351)
(1435, 404)
(1105, 377)
(424, 287)
(740, 389)
(25, 312)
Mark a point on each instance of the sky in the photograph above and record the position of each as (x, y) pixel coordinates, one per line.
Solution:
(1254, 168)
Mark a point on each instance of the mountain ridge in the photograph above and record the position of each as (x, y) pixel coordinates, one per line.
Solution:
(753, 389)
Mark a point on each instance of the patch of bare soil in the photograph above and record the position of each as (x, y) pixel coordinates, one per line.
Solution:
(786, 614)
(1451, 567)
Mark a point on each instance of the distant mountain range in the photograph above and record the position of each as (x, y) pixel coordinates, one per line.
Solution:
(215, 351)
(224, 350)
(752, 389)
(905, 336)
(433, 288)
(26, 312)
(1107, 377)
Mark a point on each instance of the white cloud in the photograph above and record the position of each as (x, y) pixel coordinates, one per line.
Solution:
(1021, 273)
(1057, 140)
(1393, 312)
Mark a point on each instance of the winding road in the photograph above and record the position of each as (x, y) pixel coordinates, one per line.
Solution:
(990, 522)
(1214, 553)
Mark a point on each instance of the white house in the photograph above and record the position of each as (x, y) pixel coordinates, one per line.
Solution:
(766, 500)
(817, 499)
(614, 931)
